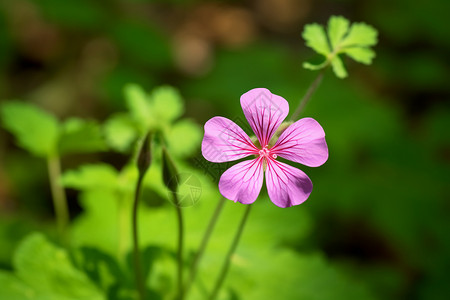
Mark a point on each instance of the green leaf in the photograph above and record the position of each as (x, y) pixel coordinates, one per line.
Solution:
(166, 104)
(138, 104)
(319, 280)
(354, 41)
(360, 34)
(338, 67)
(120, 132)
(102, 268)
(91, 177)
(13, 287)
(315, 37)
(78, 135)
(35, 130)
(310, 66)
(362, 55)
(44, 271)
(337, 28)
(155, 111)
(184, 138)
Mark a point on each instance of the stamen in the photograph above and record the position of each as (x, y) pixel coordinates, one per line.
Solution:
(265, 153)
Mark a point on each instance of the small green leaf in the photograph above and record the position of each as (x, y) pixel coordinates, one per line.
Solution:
(362, 55)
(360, 34)
(310, 66)
(354, 41)
(166, 104)
(315, 37)
(338, 67)
(337, 28)
(91, 177)
(81, 136)
(35, 130)
(120, 132)
(184, 138)
(138, 104)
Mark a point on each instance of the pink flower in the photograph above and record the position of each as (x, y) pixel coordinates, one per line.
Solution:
(302, 142)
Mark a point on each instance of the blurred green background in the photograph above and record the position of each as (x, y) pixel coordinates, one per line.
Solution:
(379, 213)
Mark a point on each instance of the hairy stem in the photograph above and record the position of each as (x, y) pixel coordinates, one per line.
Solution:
(312, 88)
(231, 251)
(137, 258)
(58, 195)
(204, 243)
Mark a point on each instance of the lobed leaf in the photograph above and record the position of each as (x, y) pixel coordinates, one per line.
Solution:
(337, 28)
(91, 177)
(338, 67)
(362, 55)
(360, 34)
(34, 129)
(166, 103)
(353, 41)
(155, 111)
(315, 37)
(138, 105)
(120, 132)
(184, 138)
(44, 271)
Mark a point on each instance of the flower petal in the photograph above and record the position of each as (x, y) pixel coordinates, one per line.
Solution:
(265, 112)
(243, 181)
(286, 185)
(224, 141)
(303, 142)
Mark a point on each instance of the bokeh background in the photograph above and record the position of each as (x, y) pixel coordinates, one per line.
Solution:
(380, 210)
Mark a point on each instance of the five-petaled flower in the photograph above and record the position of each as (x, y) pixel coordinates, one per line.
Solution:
(302, 142)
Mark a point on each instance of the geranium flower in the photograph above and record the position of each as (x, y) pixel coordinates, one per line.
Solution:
(302, 142)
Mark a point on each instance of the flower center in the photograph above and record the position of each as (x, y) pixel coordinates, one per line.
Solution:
(265, 152)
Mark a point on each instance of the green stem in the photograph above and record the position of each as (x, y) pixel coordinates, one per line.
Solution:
(122, 225)
(180, 247)
(137, 259)
(312, 88)
(204, 243)
(58, 195)
(231, 251)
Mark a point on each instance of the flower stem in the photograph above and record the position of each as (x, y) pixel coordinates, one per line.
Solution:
(137, 259)
(312, 88)
(180, 247)
(231, 251)
(204, 243)
(58, 195)
(122, 219)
